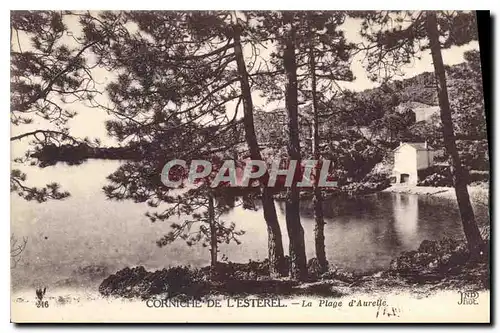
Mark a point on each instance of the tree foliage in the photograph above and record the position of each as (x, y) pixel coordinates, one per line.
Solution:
(50, 70)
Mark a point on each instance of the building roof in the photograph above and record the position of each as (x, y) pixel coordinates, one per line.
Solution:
(416, 145)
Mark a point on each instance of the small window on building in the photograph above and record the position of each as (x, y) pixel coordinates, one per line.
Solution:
(405, 178)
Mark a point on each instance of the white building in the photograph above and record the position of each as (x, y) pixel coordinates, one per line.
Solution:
(411, 157)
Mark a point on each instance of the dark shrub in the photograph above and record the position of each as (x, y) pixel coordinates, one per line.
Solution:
(478, 176)
(377, 178)
(436, 180)
(314, 269)
(435, 175)
(137, 282)
(239, 271)
(431, 256)
(435, 169)
(441, 176)
(341, 275)
(371, 183)
(474, 154)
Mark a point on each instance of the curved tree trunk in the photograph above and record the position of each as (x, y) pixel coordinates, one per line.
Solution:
(471, 230)
(277, 264)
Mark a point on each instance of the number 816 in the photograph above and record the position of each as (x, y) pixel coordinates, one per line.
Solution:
(42, 304)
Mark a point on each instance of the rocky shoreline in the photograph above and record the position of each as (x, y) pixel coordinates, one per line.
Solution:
(434, 266)
(444, 192)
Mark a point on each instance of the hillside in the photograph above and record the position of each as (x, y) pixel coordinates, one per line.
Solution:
(402, 110)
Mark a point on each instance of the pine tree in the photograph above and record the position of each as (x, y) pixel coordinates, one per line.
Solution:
(49, 72)
(186, 75)
(327, 54)
(394, 39)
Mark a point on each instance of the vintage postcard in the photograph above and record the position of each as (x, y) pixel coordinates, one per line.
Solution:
(249, 166)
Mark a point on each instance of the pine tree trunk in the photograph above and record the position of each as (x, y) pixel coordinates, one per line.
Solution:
(213, 231)
(319, 226)
(294, 227)
(471, 230)
(277, 264)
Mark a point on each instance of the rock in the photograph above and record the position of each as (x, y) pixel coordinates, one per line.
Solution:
(432, 259)
(323, 288)
(126, 283)
(433, 264)
(341, 275)
(428, 246)
(445, 259)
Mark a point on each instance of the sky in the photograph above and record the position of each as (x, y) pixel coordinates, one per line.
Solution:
(451, 56)
(90, 121)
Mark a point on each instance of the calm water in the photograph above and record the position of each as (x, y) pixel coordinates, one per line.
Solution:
(78, 241)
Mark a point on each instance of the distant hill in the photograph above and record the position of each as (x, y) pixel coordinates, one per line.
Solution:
(76, 154)
(421, 88)
(417, 93)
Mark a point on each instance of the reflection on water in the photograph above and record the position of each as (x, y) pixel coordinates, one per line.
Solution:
(405, 210)
(81, 239)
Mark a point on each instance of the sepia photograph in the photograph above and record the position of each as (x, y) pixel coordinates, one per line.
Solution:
(249, 166)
